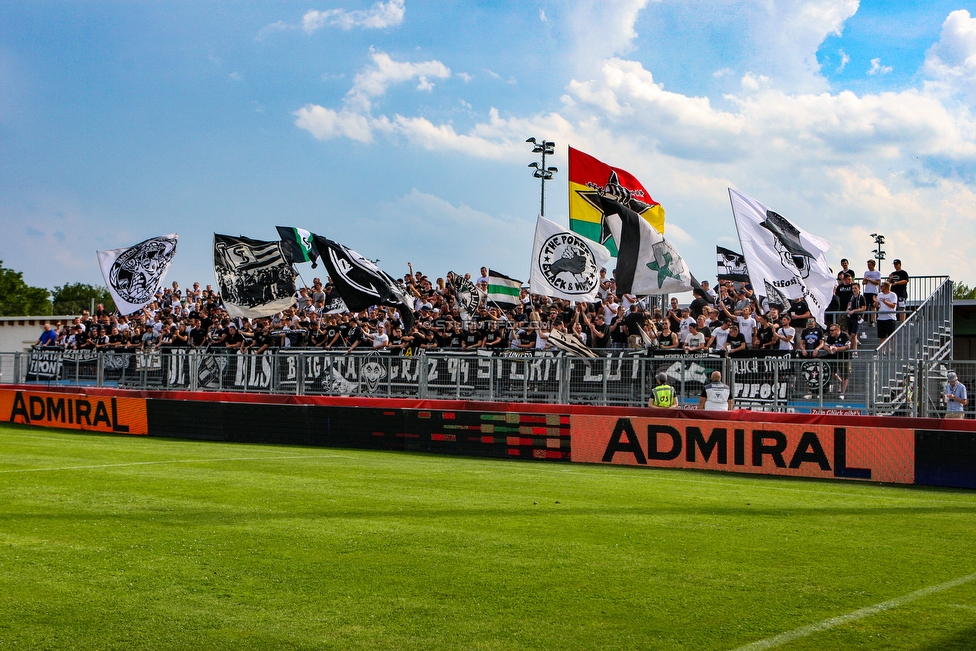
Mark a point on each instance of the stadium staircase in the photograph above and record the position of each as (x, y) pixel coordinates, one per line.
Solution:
(914, 353)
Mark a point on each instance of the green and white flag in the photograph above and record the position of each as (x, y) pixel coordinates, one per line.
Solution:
(299, 244)
(502, 290)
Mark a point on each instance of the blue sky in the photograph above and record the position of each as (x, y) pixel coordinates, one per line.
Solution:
(398, 127)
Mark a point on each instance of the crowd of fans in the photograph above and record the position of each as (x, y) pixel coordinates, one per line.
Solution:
(730, 318)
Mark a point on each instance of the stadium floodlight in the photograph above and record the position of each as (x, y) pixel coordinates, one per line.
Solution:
(543, 173)
(879, 253)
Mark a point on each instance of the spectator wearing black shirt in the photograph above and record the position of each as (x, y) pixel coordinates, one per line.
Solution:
(810, 339)
(898, 279)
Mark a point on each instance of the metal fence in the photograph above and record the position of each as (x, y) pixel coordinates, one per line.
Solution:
(766, 381)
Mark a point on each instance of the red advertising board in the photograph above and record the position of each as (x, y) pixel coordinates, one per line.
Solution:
(792, 449)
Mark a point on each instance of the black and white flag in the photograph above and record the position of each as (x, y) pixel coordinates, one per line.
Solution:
(569, 343)
(785, 261)
(134, 274)
(466, 293)
(647, 264)
(254, 277)
(360, 283)
(564, 264)
(731, 265)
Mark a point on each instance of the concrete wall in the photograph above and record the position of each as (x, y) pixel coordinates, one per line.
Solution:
(18, 333)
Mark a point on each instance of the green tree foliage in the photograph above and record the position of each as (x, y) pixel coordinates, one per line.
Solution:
(17, 298)
(72, 298)
(962, 290)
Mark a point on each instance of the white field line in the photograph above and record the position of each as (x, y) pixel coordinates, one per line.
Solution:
(153, 463)
(804, 631)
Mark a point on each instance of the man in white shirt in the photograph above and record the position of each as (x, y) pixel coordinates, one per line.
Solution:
(695, 341)
(381, 340)
(785, 334)
(747, 325)
(887, 311)
(872, 282)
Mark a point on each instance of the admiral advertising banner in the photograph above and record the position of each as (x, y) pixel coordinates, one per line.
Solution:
(75, 411)
(798, 450)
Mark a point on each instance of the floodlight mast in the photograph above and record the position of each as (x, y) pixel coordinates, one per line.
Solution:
(541, 171)
(879, 253)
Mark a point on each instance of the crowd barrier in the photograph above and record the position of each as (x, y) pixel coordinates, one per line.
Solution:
(760, 380)
(930, 452)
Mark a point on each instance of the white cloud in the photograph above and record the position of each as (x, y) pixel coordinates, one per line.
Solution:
(841, 164)
(375, 80)
(380, 16)
(878, 69)
(542, 15)
(324, 123)
(465, 77)
(724, 72)
(602, 29)
(236, 76)
(951, 62)
(844, 60)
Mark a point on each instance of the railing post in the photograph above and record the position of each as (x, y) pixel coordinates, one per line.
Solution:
(100, 369)
(422, 374)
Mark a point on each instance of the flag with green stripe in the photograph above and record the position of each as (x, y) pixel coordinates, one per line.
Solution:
(502, 290)
(299, 244)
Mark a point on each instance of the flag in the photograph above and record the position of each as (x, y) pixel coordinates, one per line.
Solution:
(254, 277)
(467, 295)
(646, 262)
(569, 343)
(564, 264)
(731, 265)
(590, 179)
(503, 291)
(336, 305)
(134, 274)
(784, 261)
(299, 244)
(360, 283)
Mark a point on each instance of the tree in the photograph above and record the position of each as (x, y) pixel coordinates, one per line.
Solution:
(963, 291)
(72, 298)
(17, 298)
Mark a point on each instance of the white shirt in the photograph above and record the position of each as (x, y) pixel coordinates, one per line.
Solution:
(886, 313)
(721, 337)
(748, 328)
(789, 332)
(871, 287)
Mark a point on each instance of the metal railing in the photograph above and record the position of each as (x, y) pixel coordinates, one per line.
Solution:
(924, 338)
(770, 381)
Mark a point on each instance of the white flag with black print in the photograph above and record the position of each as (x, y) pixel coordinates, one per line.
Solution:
(569, 343)
(647, 264)
(564, 264)
(784, 261)
(134, 274)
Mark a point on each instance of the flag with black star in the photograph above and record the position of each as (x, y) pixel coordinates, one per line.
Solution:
(589, 180)
(647, 264)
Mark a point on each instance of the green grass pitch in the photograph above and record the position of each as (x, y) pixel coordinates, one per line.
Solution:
(113, 542)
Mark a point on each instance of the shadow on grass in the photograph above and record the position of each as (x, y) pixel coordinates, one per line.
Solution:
(964, 640)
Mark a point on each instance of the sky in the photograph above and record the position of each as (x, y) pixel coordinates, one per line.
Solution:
(398, 127)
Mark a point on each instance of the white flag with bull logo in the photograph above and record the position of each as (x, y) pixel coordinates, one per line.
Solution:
(565, 264)
(784, 261)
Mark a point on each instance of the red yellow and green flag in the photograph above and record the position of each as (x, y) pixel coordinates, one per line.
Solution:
(589, 179)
